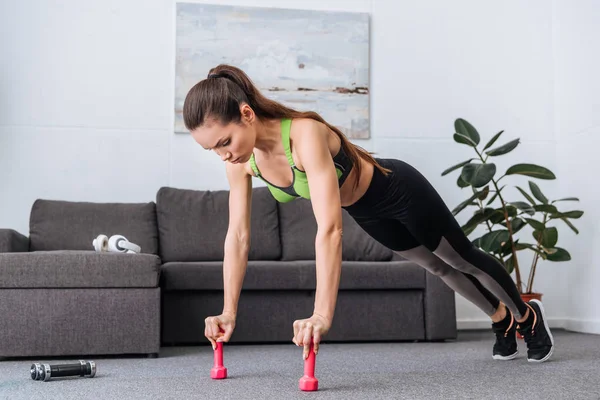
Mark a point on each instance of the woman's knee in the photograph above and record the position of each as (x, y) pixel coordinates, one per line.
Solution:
(426, 259)
(440, 268)
(455, 257)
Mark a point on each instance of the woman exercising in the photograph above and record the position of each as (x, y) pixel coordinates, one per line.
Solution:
(298, 154)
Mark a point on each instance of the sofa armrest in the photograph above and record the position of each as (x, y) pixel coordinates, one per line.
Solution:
(440, 309)
(12, 241)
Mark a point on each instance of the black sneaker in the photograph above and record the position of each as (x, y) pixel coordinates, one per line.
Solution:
(505, 347)
(540, 343)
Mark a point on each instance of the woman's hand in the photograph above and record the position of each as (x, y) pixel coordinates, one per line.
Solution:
(219, 328)
(312, 328)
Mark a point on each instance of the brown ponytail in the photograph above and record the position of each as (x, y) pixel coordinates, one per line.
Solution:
(220, 95)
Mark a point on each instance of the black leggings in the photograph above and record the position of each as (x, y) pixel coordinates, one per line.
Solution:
(405, 213)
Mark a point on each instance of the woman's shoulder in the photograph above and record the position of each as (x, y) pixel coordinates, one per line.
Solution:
(307, 123)
(304, 128)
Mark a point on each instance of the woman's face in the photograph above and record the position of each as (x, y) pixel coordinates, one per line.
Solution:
(233, 142)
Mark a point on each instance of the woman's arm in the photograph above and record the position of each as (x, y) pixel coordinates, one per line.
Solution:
(237, 240)
(313, 152)
(237, 243)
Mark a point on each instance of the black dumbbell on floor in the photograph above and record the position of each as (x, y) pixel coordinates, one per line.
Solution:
(45, 372)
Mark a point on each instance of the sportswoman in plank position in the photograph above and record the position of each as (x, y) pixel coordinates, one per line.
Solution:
(298, 154)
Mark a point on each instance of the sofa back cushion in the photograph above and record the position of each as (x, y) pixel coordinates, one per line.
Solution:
(192, 225)
(298, 228)
(66, 225)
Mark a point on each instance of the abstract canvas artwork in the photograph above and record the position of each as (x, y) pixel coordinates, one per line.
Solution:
(308, 60)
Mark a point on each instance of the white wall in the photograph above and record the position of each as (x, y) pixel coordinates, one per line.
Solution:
(86, 100)
(577, 62)
(489, 63)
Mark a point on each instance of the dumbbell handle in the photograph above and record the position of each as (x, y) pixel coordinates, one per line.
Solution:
(309, 363)
(218, 356)
(70, 370)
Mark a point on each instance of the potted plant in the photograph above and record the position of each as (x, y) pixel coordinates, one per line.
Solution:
(504, 219)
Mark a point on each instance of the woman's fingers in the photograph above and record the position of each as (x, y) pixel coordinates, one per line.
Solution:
(214, 328)
(307, 338)
(226, 334)
(316, 340)
(213, 343)
(211, 331)
(297, 333)
(305, 333)
(209, 336)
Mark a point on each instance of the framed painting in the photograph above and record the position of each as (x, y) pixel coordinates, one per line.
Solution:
(307, 60)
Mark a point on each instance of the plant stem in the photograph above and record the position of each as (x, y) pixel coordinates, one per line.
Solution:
(535, 260)
(481, 208)
(510, 232)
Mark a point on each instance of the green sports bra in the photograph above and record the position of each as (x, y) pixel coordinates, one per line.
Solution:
(299, 186)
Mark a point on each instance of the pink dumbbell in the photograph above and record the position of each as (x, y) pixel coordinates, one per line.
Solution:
(308, 382)
(218, 371)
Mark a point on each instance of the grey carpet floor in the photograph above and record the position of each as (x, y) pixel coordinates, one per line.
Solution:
(461, 369)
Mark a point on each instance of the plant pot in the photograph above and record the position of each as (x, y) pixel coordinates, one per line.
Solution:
(526, 297)
(530, 296)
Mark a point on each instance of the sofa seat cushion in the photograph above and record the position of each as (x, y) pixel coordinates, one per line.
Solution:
(294, 275)
(78, 269)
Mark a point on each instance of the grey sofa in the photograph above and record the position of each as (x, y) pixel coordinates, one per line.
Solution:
(381, 296)
(59, 297)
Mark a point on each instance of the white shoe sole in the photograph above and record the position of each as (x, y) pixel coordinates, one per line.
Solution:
(505, 358)
(539, 303)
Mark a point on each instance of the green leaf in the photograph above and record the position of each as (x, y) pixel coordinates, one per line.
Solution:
(491, 200)
(510, 265)
(559, 255)
(527, 196)
(497, 216)
(461, 182)
(537, 192)
(511, 211)
(492, 141)
(537, 225)
(465, 203)
(464, 140)
(484, 193)
(492, 241)
(516, 224)
(549, 208)
(457, 166)
(478, 217)
(549, 236)
(566, 221)
(523, 246)
(521, 205)
(464, 128)
(566, 199)
(505, 148)
(468, 229)
(506, 249)
(496, 194)
(533, 170)
(569, 214)
(478, 175)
